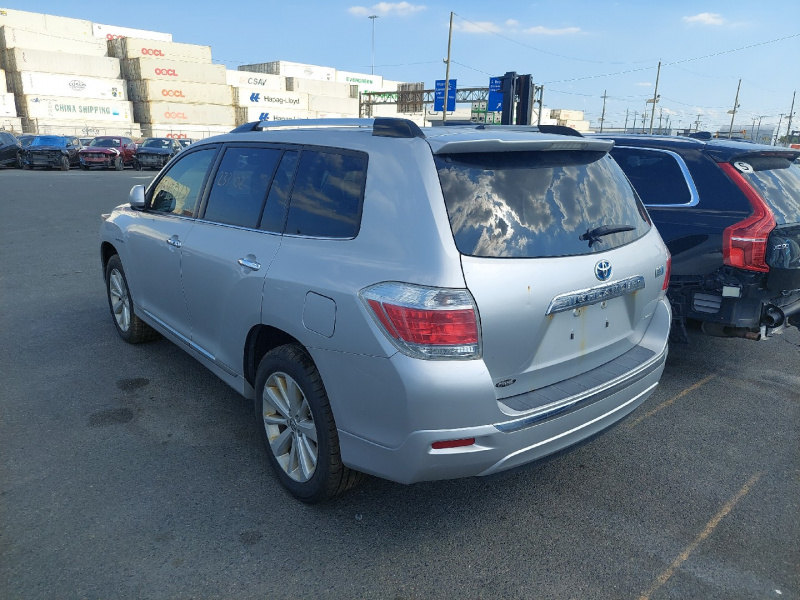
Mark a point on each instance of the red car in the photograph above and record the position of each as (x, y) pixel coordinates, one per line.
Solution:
(108, 151)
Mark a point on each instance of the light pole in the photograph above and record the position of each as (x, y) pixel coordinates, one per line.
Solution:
(759, 126)
(372, 18)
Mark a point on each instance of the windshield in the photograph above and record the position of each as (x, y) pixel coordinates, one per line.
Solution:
(106, 142)
(164, 143)
(49, 140)
(538, 204)
(778, 181)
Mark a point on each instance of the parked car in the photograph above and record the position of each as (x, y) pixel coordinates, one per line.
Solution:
(9, 150)
(108, 151)
(25, 139)
(51, 151)
(414, 305)
(85, 141)
(730, 214)
(185, 142)
(154, 153)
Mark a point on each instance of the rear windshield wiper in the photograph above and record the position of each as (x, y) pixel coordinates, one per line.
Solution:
(594, 235)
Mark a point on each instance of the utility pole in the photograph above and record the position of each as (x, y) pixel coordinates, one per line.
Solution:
(634, 121)
(626, 121)
(733, 112)
(603, 116)
(372, 18)
(697, 123)
(447, 71)
(791, 112)
(777, 131)
(655, 98)
(660, 117)
(752, 129)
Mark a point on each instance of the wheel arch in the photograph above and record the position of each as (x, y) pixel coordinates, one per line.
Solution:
(107, 250)
(260, 340)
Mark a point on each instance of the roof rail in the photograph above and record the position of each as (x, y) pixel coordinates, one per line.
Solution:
(381, 126)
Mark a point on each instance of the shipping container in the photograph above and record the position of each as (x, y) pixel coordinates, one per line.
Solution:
(563, 114)
(250, 79)
(58, 108)
(12, 124)
(74, 86)
(365, 83)
(184, 92)
(3, 84)
(329, 104)
(11, 37)
(7, 106)
(579, 125)
(17, 59)
(77, 28)
(178, 131)
(81, 128)
(390, 86)
(293, 69)
(318, 88)
(248, 114)
(131, 47)
(172, 70)
(270, 99)
(112, 32)
(183, 114)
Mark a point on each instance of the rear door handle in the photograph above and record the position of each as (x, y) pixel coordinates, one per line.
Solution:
(250, 264)
(174, 242)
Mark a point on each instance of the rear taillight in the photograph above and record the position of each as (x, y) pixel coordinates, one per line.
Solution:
(744, 244)
(423, 322)
(667, 272)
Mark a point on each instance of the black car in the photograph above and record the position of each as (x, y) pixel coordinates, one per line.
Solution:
(729, 213)
(51, 151)
(9, 150)
(154, 153)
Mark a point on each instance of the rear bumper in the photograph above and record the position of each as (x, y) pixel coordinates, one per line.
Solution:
(467, 399)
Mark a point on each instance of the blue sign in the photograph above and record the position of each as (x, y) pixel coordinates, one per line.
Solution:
(254, 97)
(495, 101)
(438, 97)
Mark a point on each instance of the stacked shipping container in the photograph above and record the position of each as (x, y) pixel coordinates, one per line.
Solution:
(175, 89)
(9, 120)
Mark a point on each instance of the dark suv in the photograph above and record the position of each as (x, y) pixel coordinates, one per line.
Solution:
(729, 212)
(9, 150)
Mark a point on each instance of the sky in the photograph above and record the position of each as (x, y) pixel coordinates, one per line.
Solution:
(579, 50)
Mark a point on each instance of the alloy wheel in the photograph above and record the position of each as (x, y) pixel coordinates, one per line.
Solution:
(120, 300)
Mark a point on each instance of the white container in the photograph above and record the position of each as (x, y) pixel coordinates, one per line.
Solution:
(183, 92)
(40, 22)
(269, 99)
(7, 106)
(12, 124)
(254, 113)
(177, 131)
(3, 84)
(172, 70)
(130, 47)
(365, 83)
(579, 125)
(293, 69)
(74, 86)
(80, 128)
(251, 79)
(11, 37)
(318, 88)
(563, 114)
(183, 114)
(390, 86)
(17, 59)
(112, 32)
(73, 109)
(335, 105)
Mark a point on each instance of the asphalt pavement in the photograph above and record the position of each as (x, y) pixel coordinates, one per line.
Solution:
(132, 472)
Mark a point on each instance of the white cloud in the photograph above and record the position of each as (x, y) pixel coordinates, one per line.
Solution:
(479, 27)
(382, 9)
(512, 23)
(644, 84)
(541, 30)
(705, 19)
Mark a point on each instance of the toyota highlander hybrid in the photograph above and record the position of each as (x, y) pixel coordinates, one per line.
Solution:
(413, 305)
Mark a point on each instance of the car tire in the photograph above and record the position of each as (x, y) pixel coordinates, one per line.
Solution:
(64, 163)
(129, 326)
(137, 165)
(85, 167)
(297, 427)
(18, 163)
(118, 166)
(26, 167)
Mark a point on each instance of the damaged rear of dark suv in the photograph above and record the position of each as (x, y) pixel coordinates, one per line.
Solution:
(729, 213)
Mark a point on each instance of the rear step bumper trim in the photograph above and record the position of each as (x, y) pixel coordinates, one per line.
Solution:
(553, 401)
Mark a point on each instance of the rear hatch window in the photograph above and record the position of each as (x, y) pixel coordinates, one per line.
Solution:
(536, 204)
(777, 180)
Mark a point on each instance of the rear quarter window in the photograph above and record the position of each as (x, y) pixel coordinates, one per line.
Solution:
(537, 204)
(657, 175)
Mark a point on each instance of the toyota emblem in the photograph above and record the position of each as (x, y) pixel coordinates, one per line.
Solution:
(602, 270)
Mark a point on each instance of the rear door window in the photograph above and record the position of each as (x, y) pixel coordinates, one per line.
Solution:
(537, 204)
(777, 179)
(659, 176)
(327, 194)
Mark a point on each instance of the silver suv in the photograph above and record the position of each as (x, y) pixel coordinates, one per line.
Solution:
(414, 305)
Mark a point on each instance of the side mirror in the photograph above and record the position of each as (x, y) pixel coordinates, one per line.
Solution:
(136, 197)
